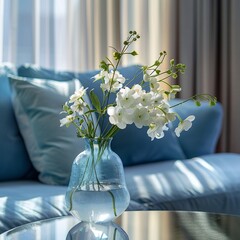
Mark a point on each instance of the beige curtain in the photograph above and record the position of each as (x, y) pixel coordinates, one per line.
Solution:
(1, 27)
(207, 36)
(93, 26)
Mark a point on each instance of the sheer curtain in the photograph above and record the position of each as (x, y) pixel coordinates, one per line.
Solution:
(76, 35)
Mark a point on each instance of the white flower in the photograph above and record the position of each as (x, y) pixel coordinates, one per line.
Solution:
(157, 130)
(171, 117)
(146, 77)
(118, 116)
(184, 125)
(154, 85)
(113, 81)
(175, 89)
(146, 99)
(79, 107)
(138, 89)
(77, 95)
(100, 75)
(127, 98)
(150, 79)
(140, 117)
(107, 86)
(157, 99)
(67, 120)
(164, 106)
(156, 115)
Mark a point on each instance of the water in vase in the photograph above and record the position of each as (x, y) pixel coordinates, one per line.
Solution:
(102, 205)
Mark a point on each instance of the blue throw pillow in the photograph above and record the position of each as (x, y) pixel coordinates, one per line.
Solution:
(202, 138)
(131, 144)
(37, 104)
(15, 163)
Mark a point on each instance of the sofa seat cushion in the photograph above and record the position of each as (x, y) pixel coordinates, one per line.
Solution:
(23, 202)
(207, 183)
(27, 201)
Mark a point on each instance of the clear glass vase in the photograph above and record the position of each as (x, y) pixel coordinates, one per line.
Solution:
(97, 190)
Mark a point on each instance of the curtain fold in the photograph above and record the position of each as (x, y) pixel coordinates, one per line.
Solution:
(76, 35)
(207, 34)
(234, 78)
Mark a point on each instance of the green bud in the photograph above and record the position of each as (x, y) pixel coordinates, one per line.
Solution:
(212, 103)
(134, 53)
(157, 63)
(176, 88)
(198, 103)
(65, 107)
(174, 75)
(125, 42)
(144, 69)
(117, 55)
(172, 62)
(104, 65)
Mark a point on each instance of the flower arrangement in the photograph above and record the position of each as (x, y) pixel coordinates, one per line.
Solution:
(144, 104)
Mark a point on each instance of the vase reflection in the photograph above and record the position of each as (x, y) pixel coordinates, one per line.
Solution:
(97, 231)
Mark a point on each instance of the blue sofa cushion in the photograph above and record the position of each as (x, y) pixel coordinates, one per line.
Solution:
(15, 162)
(24, 202)
(139, 149)
(37, 105)
(207, 183)
(202, 138)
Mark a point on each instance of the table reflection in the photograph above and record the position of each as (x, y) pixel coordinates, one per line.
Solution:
(162, 225)
(135, 225)
(94, 231)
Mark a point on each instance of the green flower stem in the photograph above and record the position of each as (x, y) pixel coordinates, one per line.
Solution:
(160, 62)
(206, 97)
(112, 131)
(115, 234)
(91, 115)
(71, 196)
(113, 203)
(79, 185)
(129, 41)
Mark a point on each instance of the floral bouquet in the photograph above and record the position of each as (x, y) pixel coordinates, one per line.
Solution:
(97, 189)
(144, 104)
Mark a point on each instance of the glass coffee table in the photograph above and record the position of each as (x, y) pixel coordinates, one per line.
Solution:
(138, 225)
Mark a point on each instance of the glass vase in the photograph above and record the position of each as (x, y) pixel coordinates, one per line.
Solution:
(97, 190)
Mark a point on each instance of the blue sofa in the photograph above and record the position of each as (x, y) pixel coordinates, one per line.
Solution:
(36, 154)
